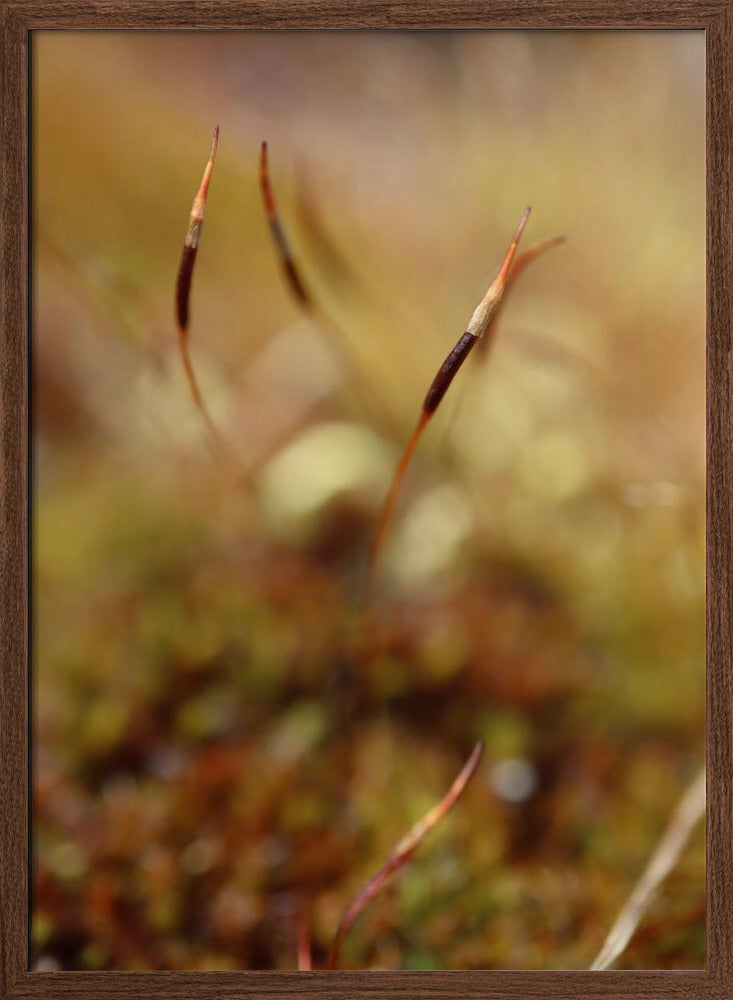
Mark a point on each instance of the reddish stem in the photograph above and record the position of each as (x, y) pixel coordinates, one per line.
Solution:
(403, 852)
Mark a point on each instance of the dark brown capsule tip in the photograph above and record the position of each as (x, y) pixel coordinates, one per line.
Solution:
(295, 281)
(183, 286)
(448, 371)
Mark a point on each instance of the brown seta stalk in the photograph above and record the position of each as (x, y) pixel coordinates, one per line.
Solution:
(477, 327)
(403, 852)
(183, 285)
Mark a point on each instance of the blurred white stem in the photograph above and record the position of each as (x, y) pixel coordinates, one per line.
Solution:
(690, 809)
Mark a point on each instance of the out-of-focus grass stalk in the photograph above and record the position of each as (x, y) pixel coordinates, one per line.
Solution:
(337, 339)
(285, 255)
(403, 852)
(690, 810)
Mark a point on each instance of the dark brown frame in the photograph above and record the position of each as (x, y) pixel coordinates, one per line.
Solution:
(18, 19)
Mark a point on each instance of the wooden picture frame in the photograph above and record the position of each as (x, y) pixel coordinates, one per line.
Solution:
(19, 20)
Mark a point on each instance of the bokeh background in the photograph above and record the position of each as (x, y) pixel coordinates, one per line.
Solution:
(225, 746)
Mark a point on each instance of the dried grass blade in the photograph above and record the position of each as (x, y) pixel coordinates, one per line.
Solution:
(689, 811)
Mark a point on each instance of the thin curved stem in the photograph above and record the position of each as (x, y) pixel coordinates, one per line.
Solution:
(403, 852)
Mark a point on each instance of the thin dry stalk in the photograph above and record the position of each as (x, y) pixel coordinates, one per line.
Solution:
(690, 810)
(403, 852)
(183, 284)
(477, 327)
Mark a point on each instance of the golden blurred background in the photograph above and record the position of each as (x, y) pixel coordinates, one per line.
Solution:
(218, 759)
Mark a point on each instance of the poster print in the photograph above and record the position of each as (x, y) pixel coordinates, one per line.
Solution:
(369, 507)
